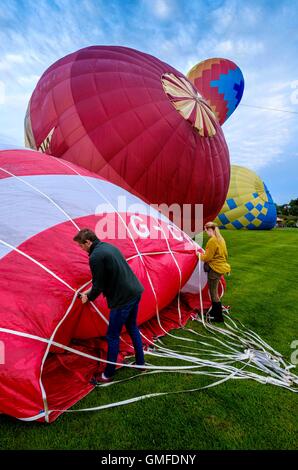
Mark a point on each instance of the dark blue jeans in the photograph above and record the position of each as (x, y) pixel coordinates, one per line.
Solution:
(126, 315)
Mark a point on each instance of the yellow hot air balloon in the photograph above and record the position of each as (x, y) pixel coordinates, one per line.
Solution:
(248, 204)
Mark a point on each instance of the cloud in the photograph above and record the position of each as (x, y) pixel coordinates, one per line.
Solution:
(15, 58)
(160, 8)
(240, 47)
(30, 80)
(257, 137)
(223, 16)
(8, 142)
(10, 60)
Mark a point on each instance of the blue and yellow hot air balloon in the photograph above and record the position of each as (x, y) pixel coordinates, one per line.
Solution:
(248, 204)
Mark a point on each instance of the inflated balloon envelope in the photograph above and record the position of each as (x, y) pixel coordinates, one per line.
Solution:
(44, 202)
(221, 83)
(249, 205)
(140, 123)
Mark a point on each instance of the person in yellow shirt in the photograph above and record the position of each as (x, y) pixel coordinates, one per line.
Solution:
(215, 263)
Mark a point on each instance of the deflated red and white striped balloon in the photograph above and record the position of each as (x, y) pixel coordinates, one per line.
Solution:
(44, 202)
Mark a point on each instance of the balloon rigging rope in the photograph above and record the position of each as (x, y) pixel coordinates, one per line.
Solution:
(53, 274)
(57, 277)
(148, 340)
(255, 358)
(139, 254)
(255, 354)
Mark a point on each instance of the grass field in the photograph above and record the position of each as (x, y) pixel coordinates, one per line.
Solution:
(263, 293)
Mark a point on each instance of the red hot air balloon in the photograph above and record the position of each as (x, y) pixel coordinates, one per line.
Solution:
(134, 120)
(44, 201)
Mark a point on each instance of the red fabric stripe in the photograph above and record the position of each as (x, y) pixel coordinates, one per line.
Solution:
(30, 162)
(37, 305)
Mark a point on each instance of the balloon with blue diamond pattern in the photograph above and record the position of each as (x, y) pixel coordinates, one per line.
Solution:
(248, 204)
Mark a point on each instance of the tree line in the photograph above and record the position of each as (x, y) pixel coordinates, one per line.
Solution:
(289, 213)
(288, 209)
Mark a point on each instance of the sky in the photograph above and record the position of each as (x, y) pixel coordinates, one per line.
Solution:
(261, 37)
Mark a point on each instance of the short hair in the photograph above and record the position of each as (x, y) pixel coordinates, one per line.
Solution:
(85, 234)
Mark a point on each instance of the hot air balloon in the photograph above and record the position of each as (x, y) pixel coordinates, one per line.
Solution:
(248, 204)
(134, 120)
(44, 201)
(221, 83)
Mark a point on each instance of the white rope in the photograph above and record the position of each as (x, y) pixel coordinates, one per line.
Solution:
(89, 356)
(49, 271)
(150, 253)
(42, 266)
(51, 341)
(226, 371)
(221, 365)
(131, 400)
(125, 225)
(224, 368)
(148, 340)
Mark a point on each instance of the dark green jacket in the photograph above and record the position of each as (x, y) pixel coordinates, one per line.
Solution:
(112, 275)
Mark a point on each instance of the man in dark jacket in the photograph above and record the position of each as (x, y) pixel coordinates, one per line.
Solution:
(113, 277)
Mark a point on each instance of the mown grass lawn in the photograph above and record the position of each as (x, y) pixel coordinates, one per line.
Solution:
(263, 293)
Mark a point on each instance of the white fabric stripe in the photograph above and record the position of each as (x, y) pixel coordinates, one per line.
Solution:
(30, 203)
(40, 192)
(197, 280)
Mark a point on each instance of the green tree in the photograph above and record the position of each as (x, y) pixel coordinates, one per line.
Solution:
(293, 207)
(285, 209)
